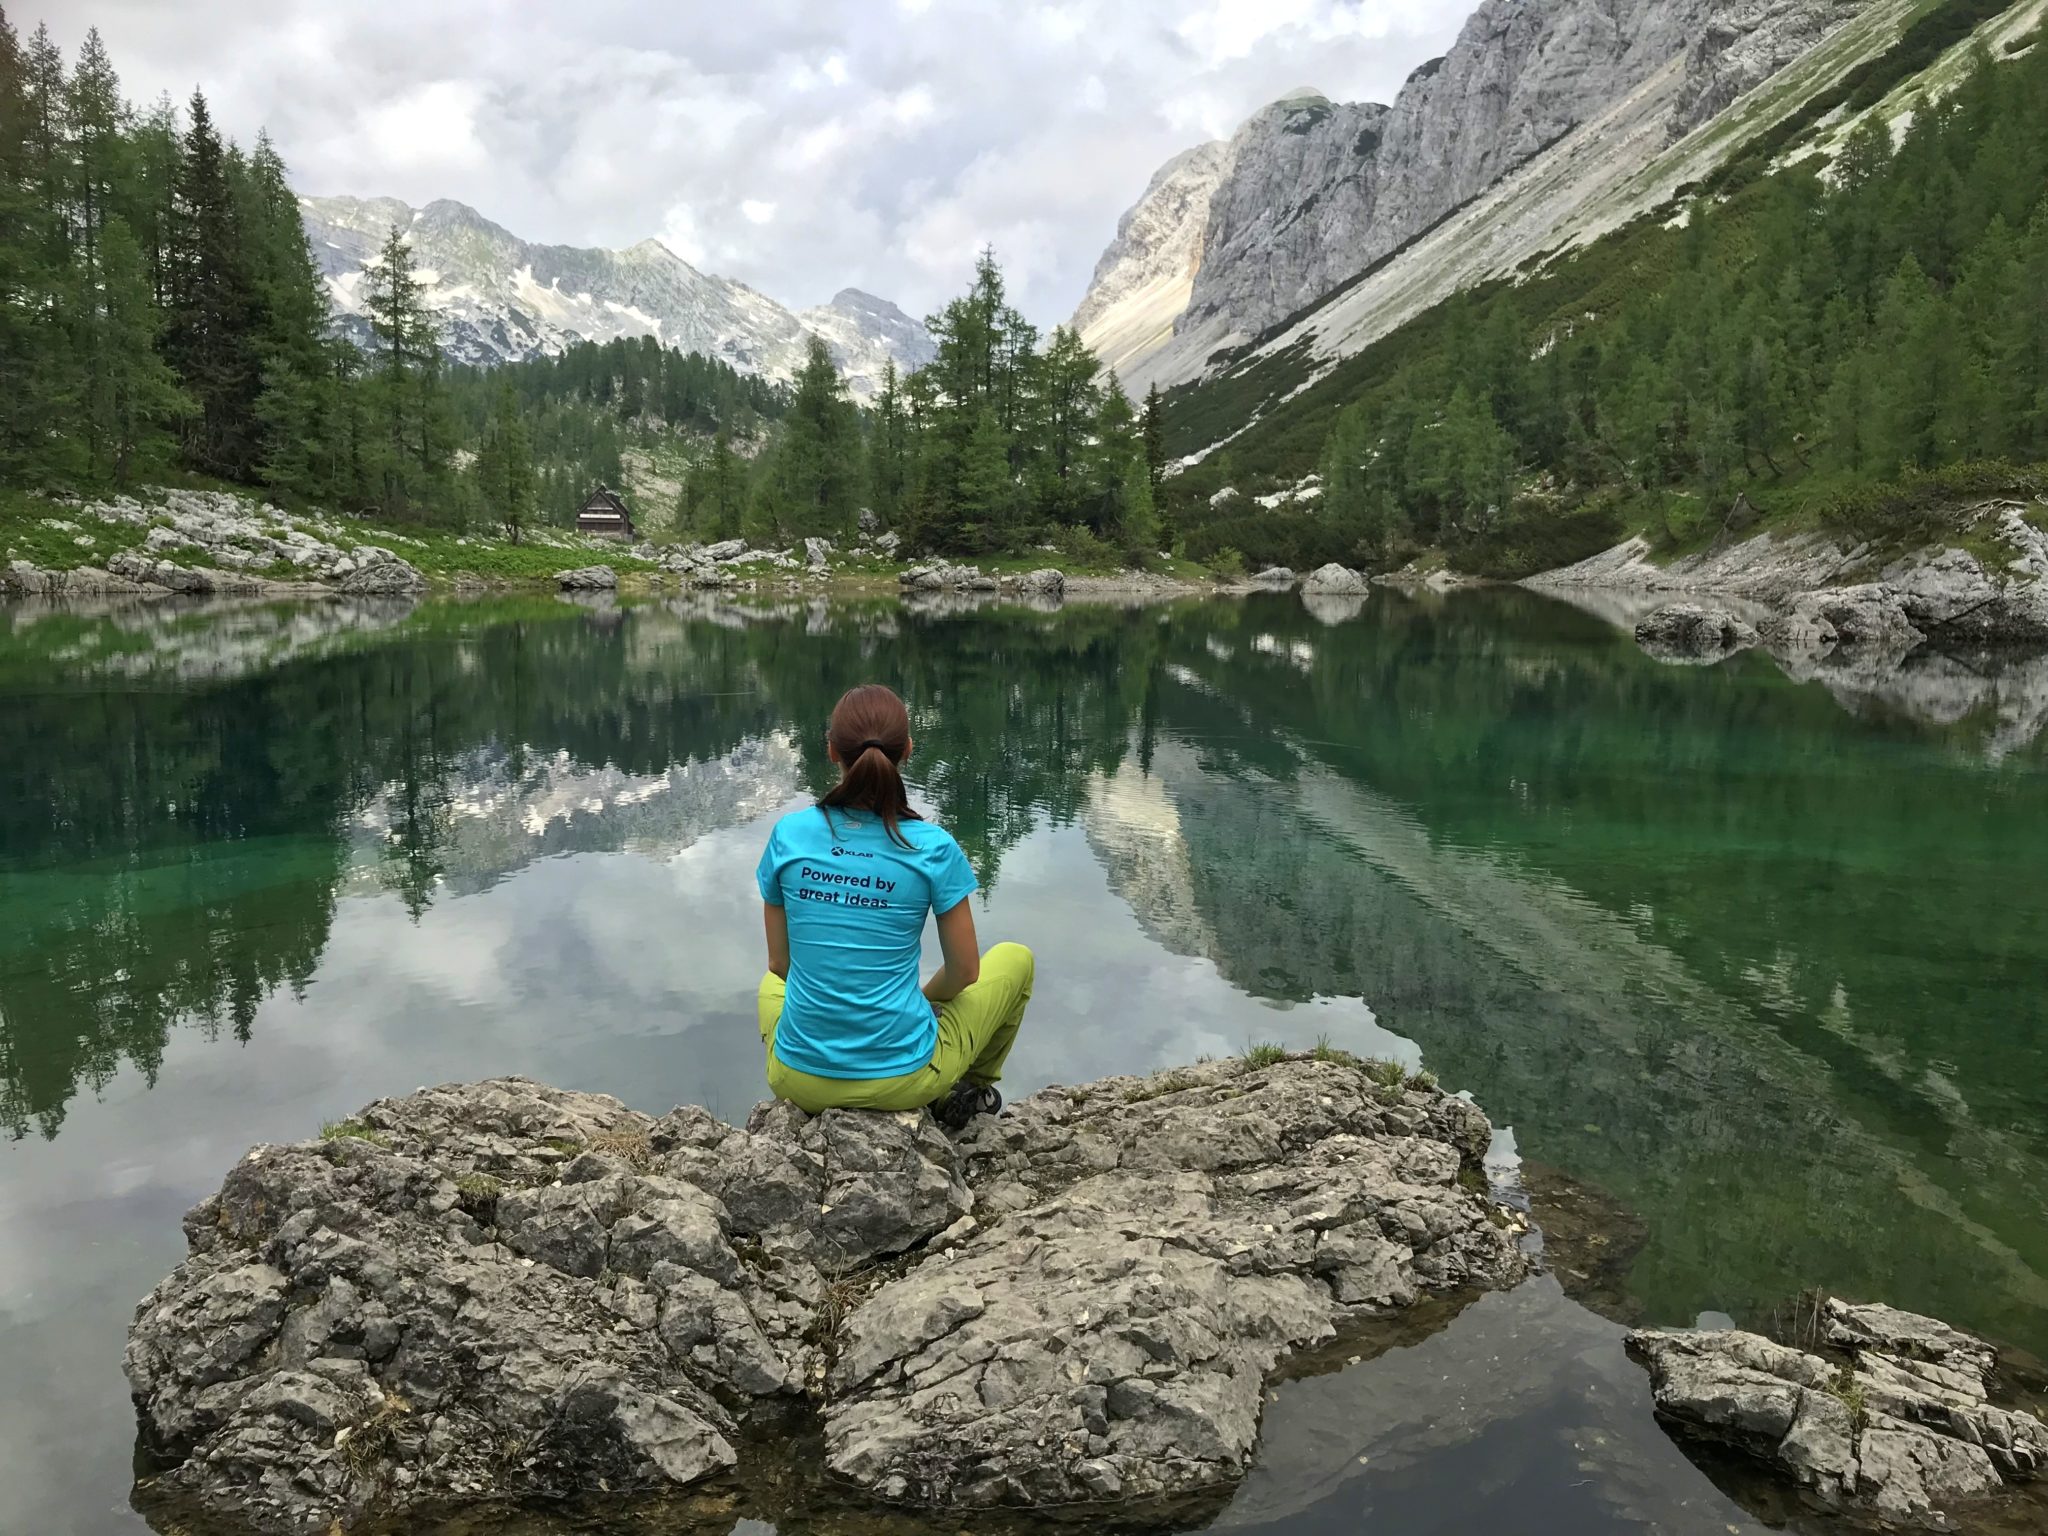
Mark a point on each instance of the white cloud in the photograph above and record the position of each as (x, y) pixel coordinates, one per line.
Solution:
(797, 145)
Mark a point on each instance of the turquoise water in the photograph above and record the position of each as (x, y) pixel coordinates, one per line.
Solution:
(1765, 960)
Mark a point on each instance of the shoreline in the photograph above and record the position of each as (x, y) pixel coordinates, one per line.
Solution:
(1804, 596)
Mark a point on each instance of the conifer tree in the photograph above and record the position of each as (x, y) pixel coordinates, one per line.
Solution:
(93, 115)
(411, 453)
(208, 341)
(1116, 445)
(817, 463)
(136, 399)
(724, 488)
(1139, 514)
(289, 336)
(29, 338)
(988, 493)
(1070, 398)
(502, 475)
(1154, 430)
(888, 475)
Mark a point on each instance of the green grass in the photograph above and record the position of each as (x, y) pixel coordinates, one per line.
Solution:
(1264, 1053)
(444, 555)
(353, 1130)
(26, 534)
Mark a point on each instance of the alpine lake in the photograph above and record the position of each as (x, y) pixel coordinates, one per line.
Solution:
(1750, 970)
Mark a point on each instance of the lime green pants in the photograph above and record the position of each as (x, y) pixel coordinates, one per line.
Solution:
(976, 1031)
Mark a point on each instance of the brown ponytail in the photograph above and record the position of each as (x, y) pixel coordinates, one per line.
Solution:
(870, 733)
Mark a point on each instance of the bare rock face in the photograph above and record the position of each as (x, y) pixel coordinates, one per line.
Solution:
(1899, 1421)
(1310, 192)
(1142, 281)
(1687, 632)
(503, 1290)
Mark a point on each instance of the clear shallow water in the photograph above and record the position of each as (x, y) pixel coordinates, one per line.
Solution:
(1766, 960)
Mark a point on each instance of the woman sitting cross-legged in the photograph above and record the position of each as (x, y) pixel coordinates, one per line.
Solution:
(847, 884)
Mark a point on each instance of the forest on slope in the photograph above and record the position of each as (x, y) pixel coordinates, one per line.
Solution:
(1840, 345)
(162, 318)
(1813, 343)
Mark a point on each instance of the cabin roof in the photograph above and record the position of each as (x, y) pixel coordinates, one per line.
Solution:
(604, 500)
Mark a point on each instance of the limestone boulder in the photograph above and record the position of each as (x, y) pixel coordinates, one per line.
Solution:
(1336, 580)
(505, 1291)
(1692, 632)
(1897, 1420)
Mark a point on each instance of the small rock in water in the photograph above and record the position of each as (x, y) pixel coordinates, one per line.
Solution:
(1899, 1423)
(1687, 632)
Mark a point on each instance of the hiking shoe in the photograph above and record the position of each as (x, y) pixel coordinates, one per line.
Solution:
(966, 1101)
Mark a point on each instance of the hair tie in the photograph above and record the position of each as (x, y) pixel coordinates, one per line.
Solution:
(876, 744)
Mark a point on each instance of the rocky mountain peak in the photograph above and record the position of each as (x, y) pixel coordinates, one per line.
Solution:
(1310, 192)
(501, 298)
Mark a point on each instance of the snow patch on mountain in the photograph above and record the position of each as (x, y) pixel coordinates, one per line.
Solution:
(500, 298)
(865, 333)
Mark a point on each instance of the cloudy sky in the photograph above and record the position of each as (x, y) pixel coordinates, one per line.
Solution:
(799, 145)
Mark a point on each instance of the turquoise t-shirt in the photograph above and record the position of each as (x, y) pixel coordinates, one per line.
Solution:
(856, 903)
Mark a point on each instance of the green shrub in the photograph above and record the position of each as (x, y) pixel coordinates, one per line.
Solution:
(1919, 507)
(1539, 535)
(1079, 546)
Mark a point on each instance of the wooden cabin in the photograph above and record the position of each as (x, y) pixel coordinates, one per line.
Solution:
(604, 514)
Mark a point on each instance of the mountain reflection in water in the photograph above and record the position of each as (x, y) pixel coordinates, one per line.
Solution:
(1760, 955)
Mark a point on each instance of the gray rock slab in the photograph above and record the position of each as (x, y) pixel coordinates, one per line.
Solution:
(1897, 1422)
(505, 1290)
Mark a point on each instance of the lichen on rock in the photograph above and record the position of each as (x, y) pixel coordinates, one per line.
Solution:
(506, 1290)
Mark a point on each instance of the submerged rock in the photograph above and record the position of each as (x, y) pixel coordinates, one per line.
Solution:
(1690, 632)
(505, 1290)
(1899, 1421)
(589, 578)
